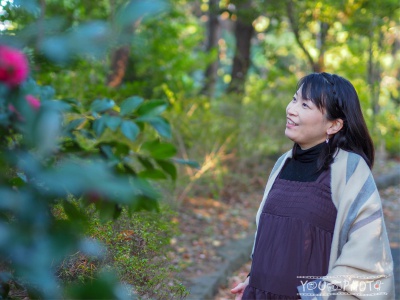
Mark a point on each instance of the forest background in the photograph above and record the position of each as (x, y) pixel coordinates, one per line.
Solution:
(186, 99)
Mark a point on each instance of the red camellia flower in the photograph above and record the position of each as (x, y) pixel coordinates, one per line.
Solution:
(13, 66)
(33, 102)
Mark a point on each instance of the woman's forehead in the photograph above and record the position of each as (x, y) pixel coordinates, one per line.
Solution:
(305, 96)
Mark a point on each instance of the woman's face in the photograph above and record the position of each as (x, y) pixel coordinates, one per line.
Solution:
(306, 124)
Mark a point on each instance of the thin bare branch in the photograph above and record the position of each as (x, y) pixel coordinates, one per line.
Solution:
(296, 31)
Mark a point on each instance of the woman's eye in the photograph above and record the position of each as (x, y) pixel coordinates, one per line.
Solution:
(294, 99)
(305, 105)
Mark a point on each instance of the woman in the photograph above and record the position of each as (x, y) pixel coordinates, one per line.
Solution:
(320, 228)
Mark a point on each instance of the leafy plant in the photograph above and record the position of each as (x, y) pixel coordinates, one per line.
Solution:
(53, 151)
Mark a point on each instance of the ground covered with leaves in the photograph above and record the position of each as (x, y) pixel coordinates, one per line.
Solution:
(207, 222)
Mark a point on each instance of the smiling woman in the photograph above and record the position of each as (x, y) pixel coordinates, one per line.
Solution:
(320, 228)
(306, 123)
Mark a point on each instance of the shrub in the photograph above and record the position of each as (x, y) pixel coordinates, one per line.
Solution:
(52, 151)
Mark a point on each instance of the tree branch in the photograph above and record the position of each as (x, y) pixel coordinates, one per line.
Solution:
(296, 31)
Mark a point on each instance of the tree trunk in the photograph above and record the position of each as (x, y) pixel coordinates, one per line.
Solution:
(396, 48)
(241, 62)
(119, 63)
(120, 55)
(212, 44)
(321, 39)
(374, 82)
(374, 69)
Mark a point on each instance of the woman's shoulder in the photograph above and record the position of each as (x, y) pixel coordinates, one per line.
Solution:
(283, 158)
(351, 179)
(348, 164)
(280, 161)
(348, 159)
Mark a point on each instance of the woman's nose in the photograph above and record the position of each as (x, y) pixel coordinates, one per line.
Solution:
(291, 109)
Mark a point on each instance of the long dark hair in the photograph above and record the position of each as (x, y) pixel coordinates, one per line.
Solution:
(338, 99)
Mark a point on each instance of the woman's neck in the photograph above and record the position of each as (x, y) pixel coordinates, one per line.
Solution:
(310, 154)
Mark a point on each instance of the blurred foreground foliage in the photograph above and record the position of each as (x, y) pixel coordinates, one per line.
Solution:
(69, 167)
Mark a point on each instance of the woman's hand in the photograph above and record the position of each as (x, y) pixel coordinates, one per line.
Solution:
(239, 289)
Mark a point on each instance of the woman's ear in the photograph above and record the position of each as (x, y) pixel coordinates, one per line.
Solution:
(335, 126)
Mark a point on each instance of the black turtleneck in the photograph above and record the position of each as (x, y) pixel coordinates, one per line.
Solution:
(304, 164)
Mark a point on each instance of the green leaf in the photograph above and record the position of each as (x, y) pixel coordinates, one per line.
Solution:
(101, 105)
(112, 122)
(106, 210)
(130, 104)
(145, 162)
(158, 123)
(70, 146)
(129, 169)
(4, 290)
(190, 163)
(89, 38)
(144, 203)
(74, 124)
(17, 182)
(152, 174)
(162, 127)
(72, 101)
(143, 187)
(117, 211)
(168, 167)
(107, 150)
(22, 176)
(31, 6)
(159, 150)
(47, 93)
(118, 148)
(85, 143)
(72, 212)
(152, 108)
(103, 286)
(9, 201)
(136, 9)
(121, 149)
(130, 130)
(99, 125)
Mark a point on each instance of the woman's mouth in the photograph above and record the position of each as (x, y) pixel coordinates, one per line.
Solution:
(290, 122)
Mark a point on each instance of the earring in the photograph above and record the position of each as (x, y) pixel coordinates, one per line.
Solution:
(327, 138)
